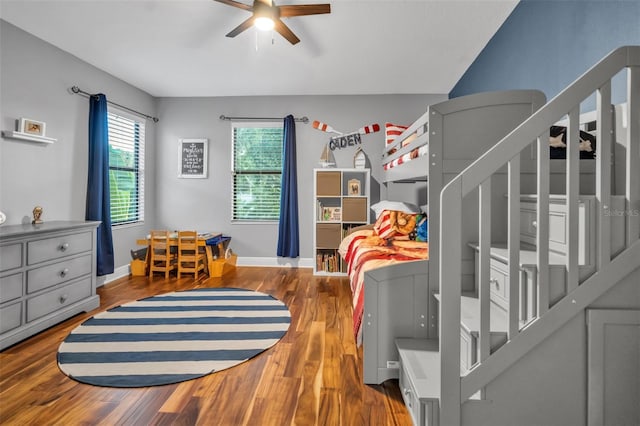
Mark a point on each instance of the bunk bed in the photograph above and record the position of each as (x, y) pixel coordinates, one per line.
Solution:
(398, 298)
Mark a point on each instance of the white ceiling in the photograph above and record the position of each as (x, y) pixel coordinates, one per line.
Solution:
(178, 48)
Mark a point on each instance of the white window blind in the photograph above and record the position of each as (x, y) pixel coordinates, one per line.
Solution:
(257, 171)
(126, 168)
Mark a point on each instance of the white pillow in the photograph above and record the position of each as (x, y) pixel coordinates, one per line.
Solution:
(383, 205)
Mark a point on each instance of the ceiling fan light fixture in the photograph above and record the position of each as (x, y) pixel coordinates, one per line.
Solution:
(264, 23)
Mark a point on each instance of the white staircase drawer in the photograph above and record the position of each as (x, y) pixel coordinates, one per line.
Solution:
(558, 224)
(528, 224)
(498, 282)
(468, 350)
(419, 379)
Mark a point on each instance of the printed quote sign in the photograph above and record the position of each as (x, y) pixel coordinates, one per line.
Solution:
(192, 158)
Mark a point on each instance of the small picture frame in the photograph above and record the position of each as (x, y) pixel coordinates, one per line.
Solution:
(353, 187)
(192, 158)
(31, 127)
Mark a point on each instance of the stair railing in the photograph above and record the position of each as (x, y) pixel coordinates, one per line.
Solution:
(455, 388)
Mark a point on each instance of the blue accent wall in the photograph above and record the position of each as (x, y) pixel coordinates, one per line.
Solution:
(547, 44)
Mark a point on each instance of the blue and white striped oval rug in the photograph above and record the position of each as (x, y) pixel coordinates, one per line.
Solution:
(173, 337)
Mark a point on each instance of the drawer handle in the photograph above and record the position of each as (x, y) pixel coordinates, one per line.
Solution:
(534, 224)
(63, 247)
(63, 298)
(64, 272)
(407, 393)
(495, 282)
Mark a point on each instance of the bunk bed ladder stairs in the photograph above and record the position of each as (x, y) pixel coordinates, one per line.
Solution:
(538, 288)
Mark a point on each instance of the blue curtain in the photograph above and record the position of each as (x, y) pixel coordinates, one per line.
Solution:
(98, 198)
(288, 234)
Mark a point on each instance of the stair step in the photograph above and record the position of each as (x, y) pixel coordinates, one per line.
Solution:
(470, 319)
(528, 254)
(420, 360)
(470, 315)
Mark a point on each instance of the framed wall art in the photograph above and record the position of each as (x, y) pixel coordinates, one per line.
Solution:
(354, 187)
(192, 158)
(31, 127)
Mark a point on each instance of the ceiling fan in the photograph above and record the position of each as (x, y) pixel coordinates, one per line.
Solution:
(266, 15)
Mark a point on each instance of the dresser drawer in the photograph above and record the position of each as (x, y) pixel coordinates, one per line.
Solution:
(10, 256)
(57, 247)
(54, 300)
(50, 275)
(10, 317)
(10, 287)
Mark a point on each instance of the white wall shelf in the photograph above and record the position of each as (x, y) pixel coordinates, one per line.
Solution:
(12, 134)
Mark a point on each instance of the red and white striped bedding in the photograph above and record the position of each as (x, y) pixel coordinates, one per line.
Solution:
(414, 153)
(392, 131)
(362, 250)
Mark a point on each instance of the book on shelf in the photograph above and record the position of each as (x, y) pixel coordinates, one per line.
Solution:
(328, 261)
(331, 214)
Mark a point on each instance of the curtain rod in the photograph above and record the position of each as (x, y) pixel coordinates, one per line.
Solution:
(224, 117)
(78, 91)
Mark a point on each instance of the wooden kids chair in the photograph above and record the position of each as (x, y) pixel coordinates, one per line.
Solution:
(191, 258)
(162, 259)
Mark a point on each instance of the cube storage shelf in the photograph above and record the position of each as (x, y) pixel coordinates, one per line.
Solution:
(342, 203)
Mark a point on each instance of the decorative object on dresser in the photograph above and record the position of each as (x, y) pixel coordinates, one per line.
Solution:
(339, 208)
(187, 334)
(37, 215)
(47, 274)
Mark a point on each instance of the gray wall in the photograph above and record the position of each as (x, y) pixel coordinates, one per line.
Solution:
(205, 204)
(34, 83)
(547, 44)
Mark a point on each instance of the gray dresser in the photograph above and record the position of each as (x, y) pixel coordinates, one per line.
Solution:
(47, 274)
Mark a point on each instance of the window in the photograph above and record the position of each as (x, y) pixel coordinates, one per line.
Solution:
(257, 171)
(126, 168)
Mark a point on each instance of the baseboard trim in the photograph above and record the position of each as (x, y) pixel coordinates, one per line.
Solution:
(119, 272)
(275, 262)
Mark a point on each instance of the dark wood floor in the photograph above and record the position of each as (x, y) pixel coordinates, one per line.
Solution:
(313, 376)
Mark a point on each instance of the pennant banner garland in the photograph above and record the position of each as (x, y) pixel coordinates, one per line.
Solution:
(345, 140)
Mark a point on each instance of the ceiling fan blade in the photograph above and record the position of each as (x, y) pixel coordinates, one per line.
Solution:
(235, 4)
(240, 28)
(286, 32)
(304, 9)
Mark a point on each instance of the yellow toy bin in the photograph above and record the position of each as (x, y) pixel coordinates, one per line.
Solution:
(138, 268)
(219, 267)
